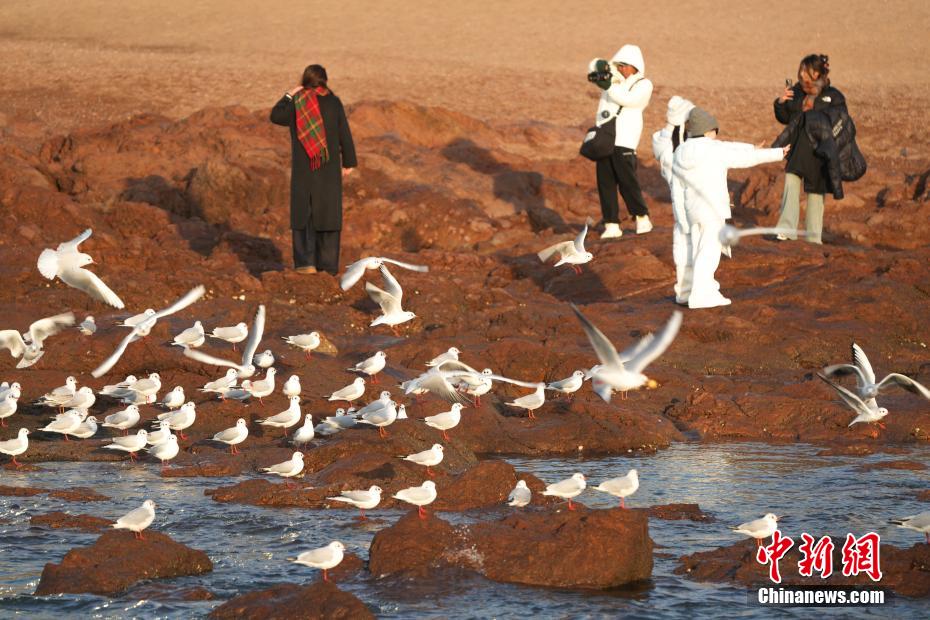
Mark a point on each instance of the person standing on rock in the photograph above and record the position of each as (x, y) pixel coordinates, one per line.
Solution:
(626, 94)
(322, 154)
(701, 165)
(812, 92)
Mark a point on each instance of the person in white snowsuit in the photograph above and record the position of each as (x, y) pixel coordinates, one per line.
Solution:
(700, 165)
(664, 144)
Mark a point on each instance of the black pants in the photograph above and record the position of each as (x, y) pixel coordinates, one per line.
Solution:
(316, 249)
(619, 171)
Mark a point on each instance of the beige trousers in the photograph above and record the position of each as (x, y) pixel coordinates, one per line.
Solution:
(791, 209)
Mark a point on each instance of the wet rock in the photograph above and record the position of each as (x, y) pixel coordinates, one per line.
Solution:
(923, 496)
(317, 601)
(167, 592)
(902, 464)
(117, 560)
(20, 491)
(904, 571)
(78, 494)
(263, 492)
(59, 520)
(571, 549)
(679, 512)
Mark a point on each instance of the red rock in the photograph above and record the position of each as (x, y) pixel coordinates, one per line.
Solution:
(56, 520)
(902, 464)
(318, 601)
(904, 571)
(582, 548)
(20, 491)
(679, 512)
(117, 560)
(78, 494)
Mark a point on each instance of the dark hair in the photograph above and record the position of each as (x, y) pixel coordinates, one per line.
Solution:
(816, 64)
(314, 76)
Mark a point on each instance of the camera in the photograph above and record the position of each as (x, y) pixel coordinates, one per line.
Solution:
(600, 76)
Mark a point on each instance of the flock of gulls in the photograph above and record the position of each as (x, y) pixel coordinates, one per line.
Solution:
(253, 376)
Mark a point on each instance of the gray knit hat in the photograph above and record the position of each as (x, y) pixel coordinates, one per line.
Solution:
(700, 121)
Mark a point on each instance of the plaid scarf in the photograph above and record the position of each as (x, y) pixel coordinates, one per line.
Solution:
(310, 130)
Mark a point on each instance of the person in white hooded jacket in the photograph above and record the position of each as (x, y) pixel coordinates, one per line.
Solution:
(700, 165)
(664, 144)
(623, 102)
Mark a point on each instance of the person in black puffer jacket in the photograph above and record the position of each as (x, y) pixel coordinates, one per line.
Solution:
(810, 109)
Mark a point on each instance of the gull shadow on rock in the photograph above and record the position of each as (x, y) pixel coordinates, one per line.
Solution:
(257, 254)
(560, 282)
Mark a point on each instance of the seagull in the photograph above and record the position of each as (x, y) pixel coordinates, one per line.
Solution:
(616, 374)
(353, 391)
(6, 389)
(420, 496)
(451, 354)
(28, 346)
(292, 386)
(866, 411)
(570, 385)
(64, 424)
(138, 319)
(428, 458)
(356, 270)
(123, 420)
(570, 252)
(264, 359)
(475, 385)
(245, 369)
(68, 265)
(304, 342)
(148, 386)
(567, 489)
(866, 384)
(181, 419)
(143, 329)
(165, 450)
(381, 418)
(233, 436)
(390, 298)
(60, 395)
(16, 446)
(363, 500)
(87, 326)
(192, 337)
(8, 405)
(287, 418)
(344, 420)
(371, 366)
(138, 519)
(437, 381)
(383, 400)
(161, 435)
(520, 496)
(222, 384)
(326, 428)
(86, 429)
(174, 398)
(918, 523)
(130, 443)
(531, 402)
(621, 487)
(760, 528)
(115, 390)
(233, 335)
(83, 399)
(323, 558)
(289, 468)
(261, 388)
(446, 420)
(730, 235)
(304, 434)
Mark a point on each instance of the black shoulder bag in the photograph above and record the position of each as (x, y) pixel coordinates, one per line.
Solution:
(599, 140)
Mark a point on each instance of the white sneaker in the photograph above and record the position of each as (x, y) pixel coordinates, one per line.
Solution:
(643, 225)
(611, 231)
(718, 300)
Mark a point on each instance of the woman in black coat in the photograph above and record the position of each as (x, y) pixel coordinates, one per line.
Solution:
(807, 108)
(322, 153)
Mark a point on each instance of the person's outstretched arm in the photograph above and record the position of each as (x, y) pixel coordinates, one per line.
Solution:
(743, 155)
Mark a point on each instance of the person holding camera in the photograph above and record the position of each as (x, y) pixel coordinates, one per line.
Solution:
(626, 94)
(812, 145)
(322, 154)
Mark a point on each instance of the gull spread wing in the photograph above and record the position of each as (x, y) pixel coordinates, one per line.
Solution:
(562, 247)
(47, 327)
(391, 285)
(110, 362)
(255, 336)
(657, 345)
(72, 246)
(206, 358)
(12, 340)
(435, 382)
(87, 281)
(907, 383)
(854, 402)
(420, 268)
(862, 361)
(604, 350)
(847, 369)
(353, 274)
(579, 240)
(389, 304)
(192, 295)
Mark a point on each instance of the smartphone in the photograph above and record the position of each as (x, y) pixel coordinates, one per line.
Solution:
(788, 83)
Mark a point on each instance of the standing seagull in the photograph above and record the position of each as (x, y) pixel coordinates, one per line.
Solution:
(567, 489)
(165, 450)
(289, 468)
(287, 418)
(305, 342)
(323, 558)
(621, 487)
(445, 420)
(614, 374)
(520, 496)
(353, 391)
(531, 402)
(233, 436)
(137, 520)
(16, 446)
(304, 434)
(371, 366)
(245, 369)
(192, 337)
(356, 270)
(759, 529)
(390, 299)
(291, 386)
(143, 329)
(429, 458)
(68, 265)
(233, 335)
(568, 386)
(363, 500)
(130, 443)
(420, 496)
